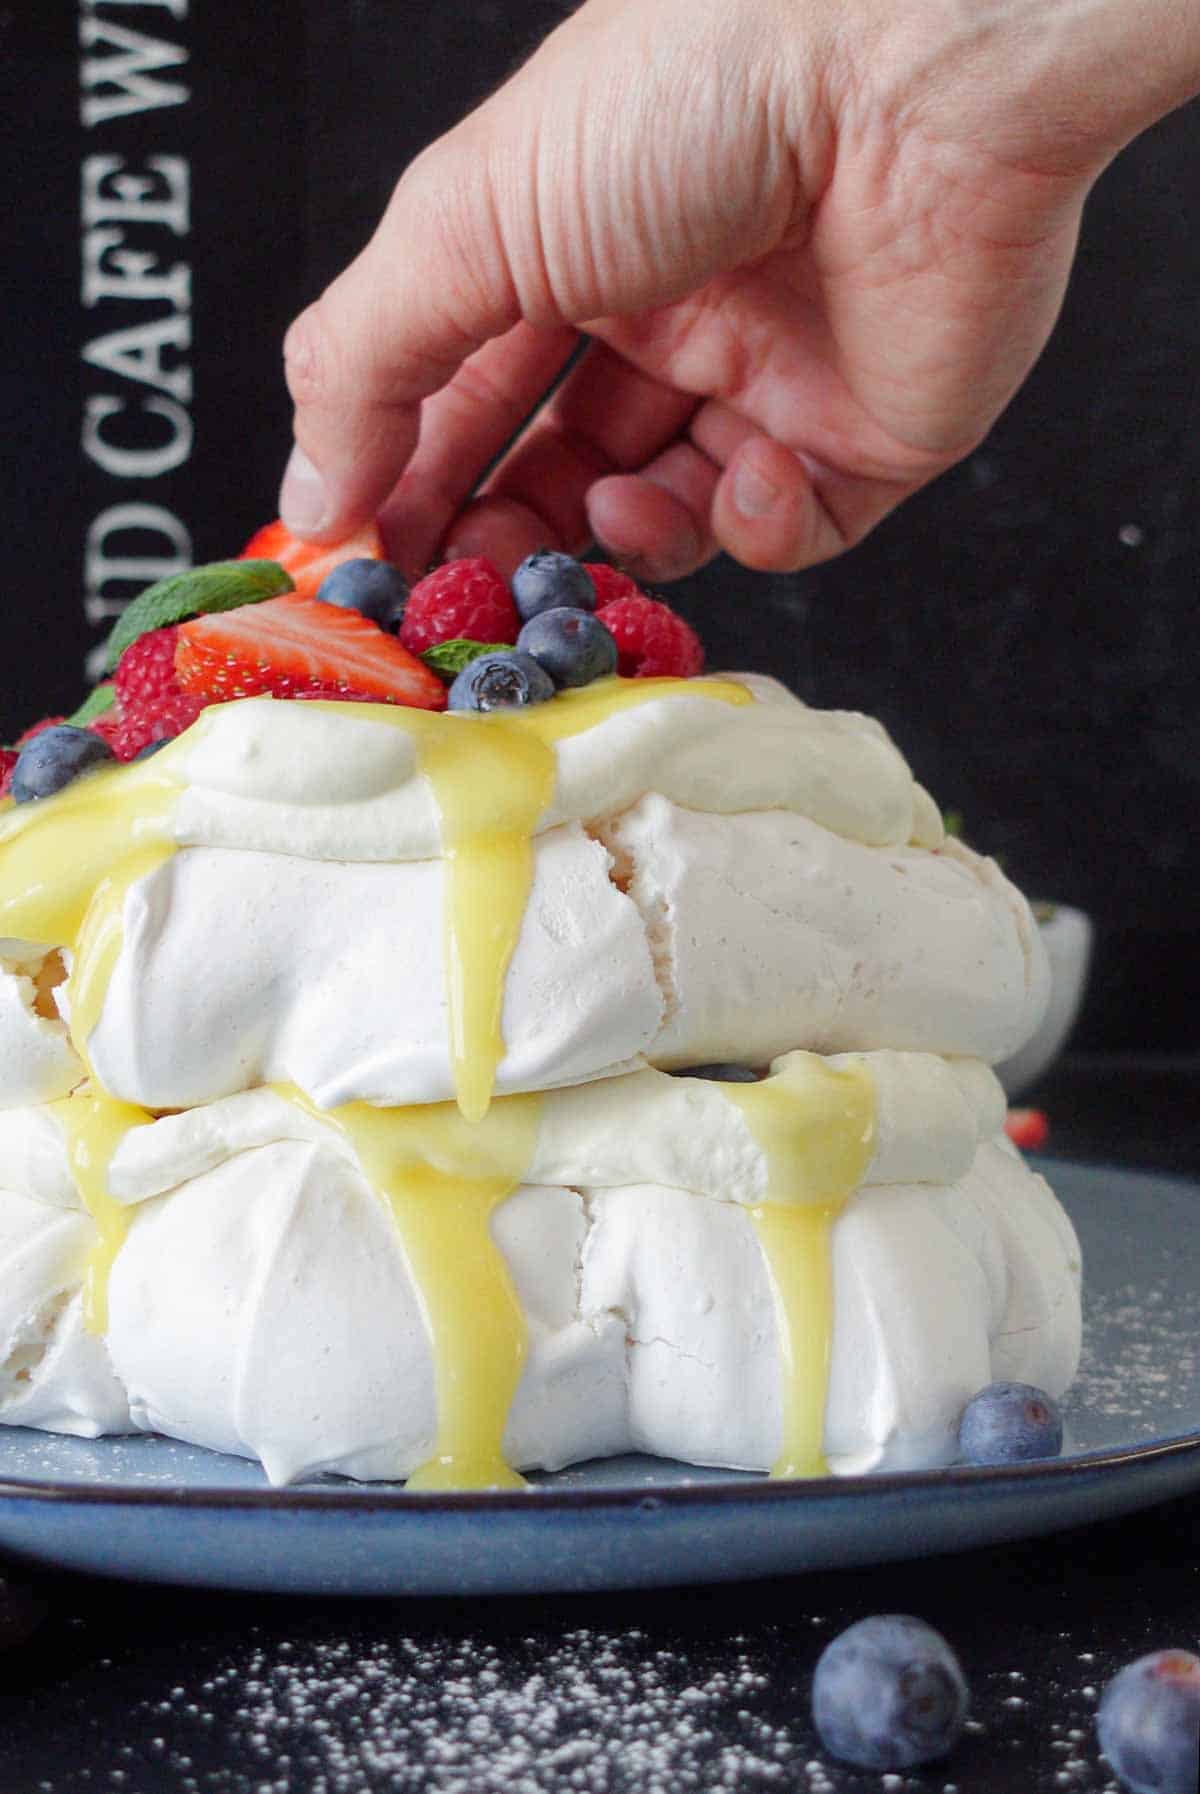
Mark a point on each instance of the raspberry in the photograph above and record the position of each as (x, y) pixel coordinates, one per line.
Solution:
(652, 641)
(8, 759)
(146, 670)
(463, 598)
(160, 719)
(611, 583)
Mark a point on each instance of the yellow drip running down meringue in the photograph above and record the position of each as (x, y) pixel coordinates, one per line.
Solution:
(94, 1124)
(66, 866)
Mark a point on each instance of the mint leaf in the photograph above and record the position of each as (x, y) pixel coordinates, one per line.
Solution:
(94, 705)
(200, 592)
(447, 659)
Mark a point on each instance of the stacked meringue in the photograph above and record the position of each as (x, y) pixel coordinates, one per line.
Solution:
(239, 1206)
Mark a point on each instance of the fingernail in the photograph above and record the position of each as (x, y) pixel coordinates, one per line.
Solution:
(303, 499)
(753, 496)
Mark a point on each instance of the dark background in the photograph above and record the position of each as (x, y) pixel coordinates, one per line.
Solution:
(1025, 628)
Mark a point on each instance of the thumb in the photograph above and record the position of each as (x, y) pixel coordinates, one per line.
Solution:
(432, 284)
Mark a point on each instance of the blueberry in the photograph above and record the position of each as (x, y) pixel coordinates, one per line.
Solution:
(1149, 1723)
(376, 589)
(572, 645)
(889, 1693)
(1010, 1423)
(548, 581)
(53, 758)
(500, 682)
(721, 1074)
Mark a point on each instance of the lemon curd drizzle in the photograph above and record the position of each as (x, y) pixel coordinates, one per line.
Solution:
(94, 1124)
(815, 1127)
(442, 1177)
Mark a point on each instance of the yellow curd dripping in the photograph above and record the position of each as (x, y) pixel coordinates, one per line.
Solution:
(442, 1177)
(816, 1129)
(94, 1125)
(492, 778)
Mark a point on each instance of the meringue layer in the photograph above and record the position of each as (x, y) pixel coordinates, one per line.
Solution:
(263, 1301)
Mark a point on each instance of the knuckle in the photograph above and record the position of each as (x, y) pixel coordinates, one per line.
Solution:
(309, 358)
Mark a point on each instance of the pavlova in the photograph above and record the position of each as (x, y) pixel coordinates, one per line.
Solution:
(442, 1033)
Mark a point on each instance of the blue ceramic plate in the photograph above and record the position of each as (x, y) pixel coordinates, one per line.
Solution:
(155, 1510)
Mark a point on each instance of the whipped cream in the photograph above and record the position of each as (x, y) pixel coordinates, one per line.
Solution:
(321, 783)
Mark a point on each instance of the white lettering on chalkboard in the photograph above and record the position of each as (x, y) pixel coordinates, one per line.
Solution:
(138, 289)
(124, 81)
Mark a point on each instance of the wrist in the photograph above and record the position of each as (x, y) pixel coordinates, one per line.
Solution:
(1059, 85)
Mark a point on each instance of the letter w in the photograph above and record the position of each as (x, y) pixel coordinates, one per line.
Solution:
(129, 71)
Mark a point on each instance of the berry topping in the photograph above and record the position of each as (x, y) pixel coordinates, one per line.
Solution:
(573, 646)
(463, 598)
(1010, 1423)
(888, 1694)
(549, 581)
(652, 641)
(146, 670)
(609, 583)
(1149, 1723)
(8, 759)
(153, 722)
(202, 591)
(290, 645)
(376, 589)
(54, 757)
(501, 682)
(309, 562)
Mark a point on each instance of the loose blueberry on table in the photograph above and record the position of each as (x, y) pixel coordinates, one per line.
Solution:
(889, 1693)
(1149, 1723)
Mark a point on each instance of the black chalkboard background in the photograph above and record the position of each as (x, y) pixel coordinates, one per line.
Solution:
(1026, 628)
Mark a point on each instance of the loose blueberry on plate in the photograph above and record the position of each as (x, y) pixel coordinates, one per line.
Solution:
(376, 589)
(53, 759)
(721, 1074)
(1149, 1723)
(572, 645)
(889, 1693)
(547, 581)
(1010, 1423)
(500, 682)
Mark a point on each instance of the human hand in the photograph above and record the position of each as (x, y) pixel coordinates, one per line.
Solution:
(816, 247)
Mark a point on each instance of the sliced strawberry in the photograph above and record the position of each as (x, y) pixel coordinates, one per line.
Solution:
(8, 759)
(289, 645)
(1027, 1128)
(309, 562)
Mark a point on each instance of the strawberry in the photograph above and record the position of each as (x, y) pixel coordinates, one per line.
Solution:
(309, 562)
(8, 759)
(652, 641)
(146, 670)
(157, 719)
(463, 599)
(611, 583)
(1027, 1128)
(289, 645)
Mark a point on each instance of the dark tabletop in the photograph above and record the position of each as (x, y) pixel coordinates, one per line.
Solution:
(141, 1689)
